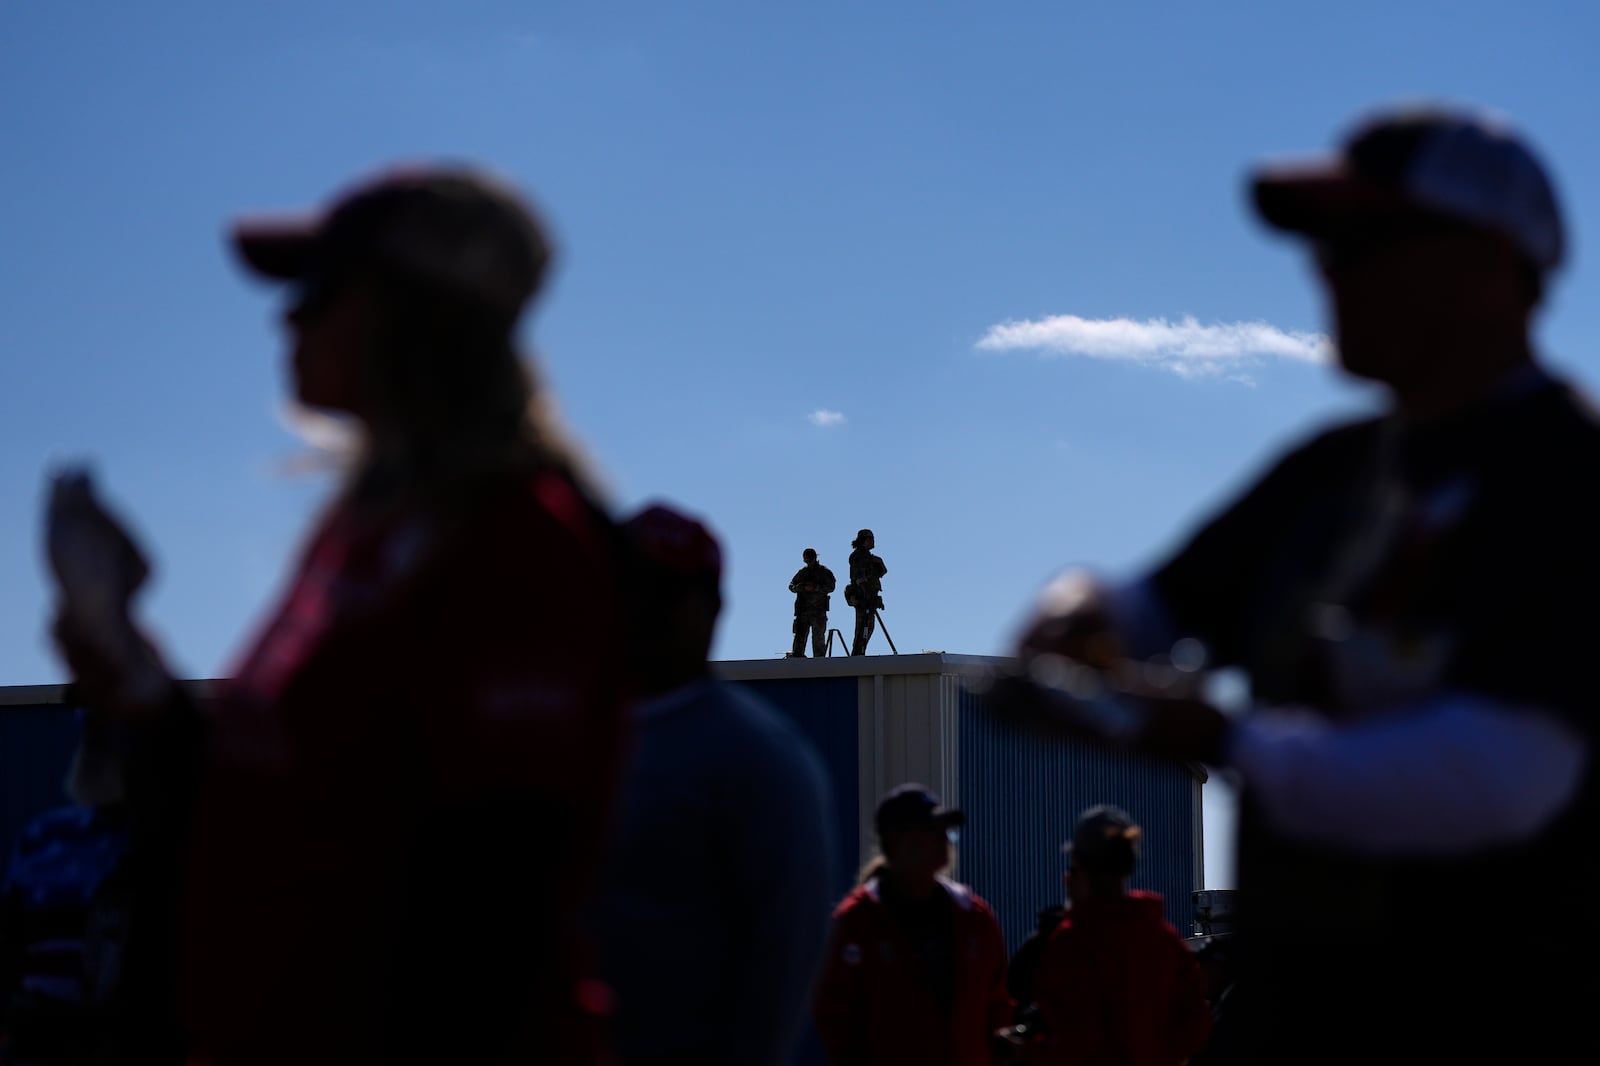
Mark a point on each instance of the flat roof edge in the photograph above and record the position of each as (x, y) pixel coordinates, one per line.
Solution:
(929, 662)
(56, 695)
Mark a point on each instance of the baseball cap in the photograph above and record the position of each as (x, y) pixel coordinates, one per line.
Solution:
(914, 806)
(455, 226)
(675, 542)
(1466, 165)
(1104, 839)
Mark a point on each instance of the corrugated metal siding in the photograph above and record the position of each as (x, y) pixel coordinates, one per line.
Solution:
(904, 738)
(1022, 797)
(825, 710)
(36, 745)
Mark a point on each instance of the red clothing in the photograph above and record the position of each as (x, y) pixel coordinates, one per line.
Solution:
(372, 770)
(873, 1006)
(1118, 986)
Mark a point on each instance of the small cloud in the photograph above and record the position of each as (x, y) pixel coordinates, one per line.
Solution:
(1184, 347)
(826, 419)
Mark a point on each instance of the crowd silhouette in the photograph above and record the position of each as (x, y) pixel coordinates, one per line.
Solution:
(459, 803)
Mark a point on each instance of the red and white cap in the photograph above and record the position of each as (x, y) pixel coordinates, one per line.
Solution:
(1461, 164)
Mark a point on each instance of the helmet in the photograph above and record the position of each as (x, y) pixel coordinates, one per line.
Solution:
(809, 554)
(862, 535)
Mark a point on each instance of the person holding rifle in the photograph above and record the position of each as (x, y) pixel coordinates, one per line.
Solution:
(811, 586)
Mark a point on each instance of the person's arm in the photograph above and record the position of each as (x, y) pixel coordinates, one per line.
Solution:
(782, 891)
(1000, 1008)
(1195, 592)
(1022, 967)
(1189, 1018)
(1451, 774)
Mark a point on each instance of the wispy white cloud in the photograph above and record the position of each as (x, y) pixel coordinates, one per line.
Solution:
(825, 418)
(1184, 347)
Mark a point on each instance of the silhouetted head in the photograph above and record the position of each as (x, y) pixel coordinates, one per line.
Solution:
(1435, 229)
(1410, 165)
(915, 831)
(1102, 853)
(453, 230)
(809, 555)
(676, 592)
(404, 294)
(864, 539)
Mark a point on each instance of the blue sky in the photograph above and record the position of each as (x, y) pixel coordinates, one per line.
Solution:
(981, 278)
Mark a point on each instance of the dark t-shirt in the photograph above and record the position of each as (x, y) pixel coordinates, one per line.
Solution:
(1376, 565)
(929, 926)
(1021, 971)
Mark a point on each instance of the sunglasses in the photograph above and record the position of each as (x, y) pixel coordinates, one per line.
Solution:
(313, 295)
(1353, 244)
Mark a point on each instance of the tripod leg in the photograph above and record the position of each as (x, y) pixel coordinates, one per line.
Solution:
(885, 629)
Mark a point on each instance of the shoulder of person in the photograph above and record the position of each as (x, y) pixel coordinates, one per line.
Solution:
(1566, 416)
(1062, 938)
(544, 510)
(1335, 443)
(965, 898)
(859, 906)
(767, 740)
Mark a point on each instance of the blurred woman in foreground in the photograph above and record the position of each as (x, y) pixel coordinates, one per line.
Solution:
(380, 828)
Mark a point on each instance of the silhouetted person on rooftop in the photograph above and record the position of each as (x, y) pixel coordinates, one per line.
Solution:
(811, 585)
(866, 579)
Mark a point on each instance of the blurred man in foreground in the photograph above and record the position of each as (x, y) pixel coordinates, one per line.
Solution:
(1412, 597)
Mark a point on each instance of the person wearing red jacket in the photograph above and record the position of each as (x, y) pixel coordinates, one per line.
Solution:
(1117, 985)
(915, 967)
(372, 843)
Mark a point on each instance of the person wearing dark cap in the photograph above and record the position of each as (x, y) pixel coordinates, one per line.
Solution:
(915, 967)
(866, 588)
(811, 585)
(1410, 596)
(1117, 984)
(712, 907)
(351, 813)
